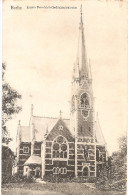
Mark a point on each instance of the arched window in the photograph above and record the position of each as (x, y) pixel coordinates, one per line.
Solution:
(56, 170)
(65, 170)
(60, 147)
(86, 171)
(61, 170)
(84, 100)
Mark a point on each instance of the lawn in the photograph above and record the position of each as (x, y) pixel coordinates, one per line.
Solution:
(54, 189)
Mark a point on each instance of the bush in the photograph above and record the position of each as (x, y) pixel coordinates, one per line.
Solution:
(119, 185)
(59, 179)
(5, 179)
(17, 178)
(56, 179)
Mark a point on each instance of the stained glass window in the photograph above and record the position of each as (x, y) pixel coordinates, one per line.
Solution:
(60, 147)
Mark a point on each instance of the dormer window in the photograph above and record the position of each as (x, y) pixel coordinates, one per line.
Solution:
(25, 149)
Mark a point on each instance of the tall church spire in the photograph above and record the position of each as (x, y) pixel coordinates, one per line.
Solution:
(81, 53)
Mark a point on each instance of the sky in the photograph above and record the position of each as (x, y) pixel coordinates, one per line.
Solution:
(40, 47)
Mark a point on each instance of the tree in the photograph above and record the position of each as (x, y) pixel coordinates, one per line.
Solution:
(119, 165)
(114, 173)
(9, 105)
(123, 145)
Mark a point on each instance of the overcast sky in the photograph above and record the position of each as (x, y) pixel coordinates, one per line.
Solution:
(39, 48)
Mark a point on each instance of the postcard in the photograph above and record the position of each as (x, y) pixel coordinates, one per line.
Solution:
(64, 81)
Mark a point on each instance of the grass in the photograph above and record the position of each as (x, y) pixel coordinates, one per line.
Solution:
(54, 189)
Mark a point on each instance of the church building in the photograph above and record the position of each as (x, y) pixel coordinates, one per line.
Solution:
(73, 147)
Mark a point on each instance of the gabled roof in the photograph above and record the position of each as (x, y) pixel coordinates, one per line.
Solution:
(44, 124)
(41, 126)
(56, 131)
(33, 160)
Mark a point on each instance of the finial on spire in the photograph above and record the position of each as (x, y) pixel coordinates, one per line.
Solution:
(81, 16)
(81, 10)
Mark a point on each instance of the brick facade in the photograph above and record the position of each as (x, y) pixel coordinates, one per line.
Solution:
(64, 147)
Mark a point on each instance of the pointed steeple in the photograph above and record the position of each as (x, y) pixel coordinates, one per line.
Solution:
(81, 53)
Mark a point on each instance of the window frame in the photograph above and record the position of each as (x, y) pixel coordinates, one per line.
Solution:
(24, 148)
(61, 170)
(67, 151)
(88, 171)
(89, 101)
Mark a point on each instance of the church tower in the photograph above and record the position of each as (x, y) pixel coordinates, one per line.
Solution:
(82, 110)
(82, 95)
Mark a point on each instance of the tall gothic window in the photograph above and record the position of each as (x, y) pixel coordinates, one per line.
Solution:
(60, 147)
(84, 100)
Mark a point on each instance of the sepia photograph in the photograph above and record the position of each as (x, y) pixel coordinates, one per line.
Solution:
(64, 97)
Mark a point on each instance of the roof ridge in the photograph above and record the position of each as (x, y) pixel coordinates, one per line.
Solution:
(51, 117)
(45, 117)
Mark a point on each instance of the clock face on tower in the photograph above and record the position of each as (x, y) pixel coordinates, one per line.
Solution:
(84, 113)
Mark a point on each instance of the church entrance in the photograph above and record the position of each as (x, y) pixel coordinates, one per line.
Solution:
(85, 172)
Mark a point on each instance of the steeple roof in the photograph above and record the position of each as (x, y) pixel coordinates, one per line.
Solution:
(81, 52)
